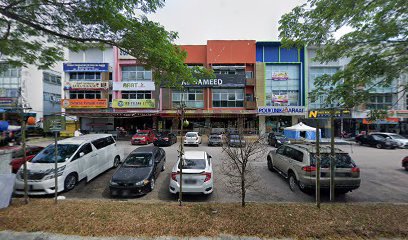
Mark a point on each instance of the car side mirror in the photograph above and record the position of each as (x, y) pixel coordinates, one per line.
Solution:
(81, 154)
(209, 156)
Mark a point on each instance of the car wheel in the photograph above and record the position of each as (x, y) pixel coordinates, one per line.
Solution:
(292, 182)
(152, 184)
(70, 182)
(406, 167)
(270, 165)
(164, 165)
(116, 162)
(379, 146)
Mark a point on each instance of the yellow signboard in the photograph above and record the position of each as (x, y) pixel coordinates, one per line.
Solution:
(84, 103)
(133, 103)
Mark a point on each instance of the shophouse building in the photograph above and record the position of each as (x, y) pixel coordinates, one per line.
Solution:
(36, 92)
(225, 101)
(280, 86)
(88, 77)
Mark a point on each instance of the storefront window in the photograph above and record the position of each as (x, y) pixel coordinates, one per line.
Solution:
(282, 85)
(85, 76)
(85, 95)
(228, 97)
(135, 73)
(192, 98)
(136, 95)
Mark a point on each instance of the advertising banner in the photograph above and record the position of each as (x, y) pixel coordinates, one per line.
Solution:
(8, 102)
(84, 103)
(133, 103)
(85, 85)
(280, 76)
(86, 67)
(327, 114)
(289, 110)
(280, 98)
(134, 86)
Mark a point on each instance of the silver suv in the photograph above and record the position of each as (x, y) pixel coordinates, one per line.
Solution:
(297, 164)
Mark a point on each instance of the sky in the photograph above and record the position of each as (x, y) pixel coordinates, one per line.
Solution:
(197, 21)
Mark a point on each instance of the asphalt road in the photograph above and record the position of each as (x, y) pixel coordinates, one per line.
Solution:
(383, 180)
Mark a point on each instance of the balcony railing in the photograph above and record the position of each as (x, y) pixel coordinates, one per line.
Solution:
(250, 104)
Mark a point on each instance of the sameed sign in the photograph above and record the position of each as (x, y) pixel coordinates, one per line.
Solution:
(133, 103)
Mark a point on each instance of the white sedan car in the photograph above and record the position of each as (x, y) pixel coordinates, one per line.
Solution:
(197, 174)
(192, 138)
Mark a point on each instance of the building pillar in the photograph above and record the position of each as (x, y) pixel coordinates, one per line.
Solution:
(261, 126)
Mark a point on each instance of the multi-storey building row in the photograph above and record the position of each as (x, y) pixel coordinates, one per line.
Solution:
(258, 85)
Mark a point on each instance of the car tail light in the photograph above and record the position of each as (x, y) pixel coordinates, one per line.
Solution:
(355, 169)
(207, 176)
(309, 168)
(174, 175)
(166, 139)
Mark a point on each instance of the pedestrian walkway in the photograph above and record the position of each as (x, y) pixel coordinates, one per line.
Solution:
(11, 235)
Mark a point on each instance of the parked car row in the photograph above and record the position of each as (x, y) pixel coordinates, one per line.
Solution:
(382, 140)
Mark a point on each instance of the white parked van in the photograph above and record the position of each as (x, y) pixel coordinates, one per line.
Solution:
(80, 157)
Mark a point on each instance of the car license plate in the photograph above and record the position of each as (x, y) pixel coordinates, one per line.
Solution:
(190, 181)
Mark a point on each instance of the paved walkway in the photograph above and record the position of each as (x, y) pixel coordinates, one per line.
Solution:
(11, 235)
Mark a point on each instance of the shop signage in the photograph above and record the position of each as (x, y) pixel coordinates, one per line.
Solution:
(133, 103)
(85, 85)
(280, 98)
(280, 76)
(221, 80)
(84, 103)
(398, 113)
(204, 112)
(289, 110)
(86, 67)
(134, 86)
(8, 102)
(328, 114)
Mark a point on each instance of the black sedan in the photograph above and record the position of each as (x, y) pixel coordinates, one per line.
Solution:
(377, 141)
(164, 139)
(277, 139)
(138, 172)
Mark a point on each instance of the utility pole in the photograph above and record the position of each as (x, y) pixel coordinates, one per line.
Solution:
(181, 153)
(56, 166)
(23, 142)
(317, 164)
(332, 157)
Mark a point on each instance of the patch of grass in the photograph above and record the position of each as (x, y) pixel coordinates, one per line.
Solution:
(112, 218)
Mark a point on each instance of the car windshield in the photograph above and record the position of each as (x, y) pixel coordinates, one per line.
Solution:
(280, 137)
(397, 136)
(138, 160)
(194, 164)
(215, 137)
(343, 160)
(191, 134)
(47, 155)
(142, 133)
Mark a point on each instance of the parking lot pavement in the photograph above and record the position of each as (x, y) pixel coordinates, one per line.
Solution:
(383, 180)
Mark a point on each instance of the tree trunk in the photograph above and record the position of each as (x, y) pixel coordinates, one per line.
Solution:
(243, 190)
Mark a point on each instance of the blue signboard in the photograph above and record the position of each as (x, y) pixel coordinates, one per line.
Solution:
(277, 110)
(86, 67)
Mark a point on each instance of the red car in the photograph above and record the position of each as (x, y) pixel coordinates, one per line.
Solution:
(17, 155)
(142, 137)
(405, 163)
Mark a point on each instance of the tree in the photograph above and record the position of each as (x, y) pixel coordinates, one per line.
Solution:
(36, 31)
(237, 166)
(376, 44)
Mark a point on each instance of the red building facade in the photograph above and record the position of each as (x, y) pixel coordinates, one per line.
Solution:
(220, 102)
